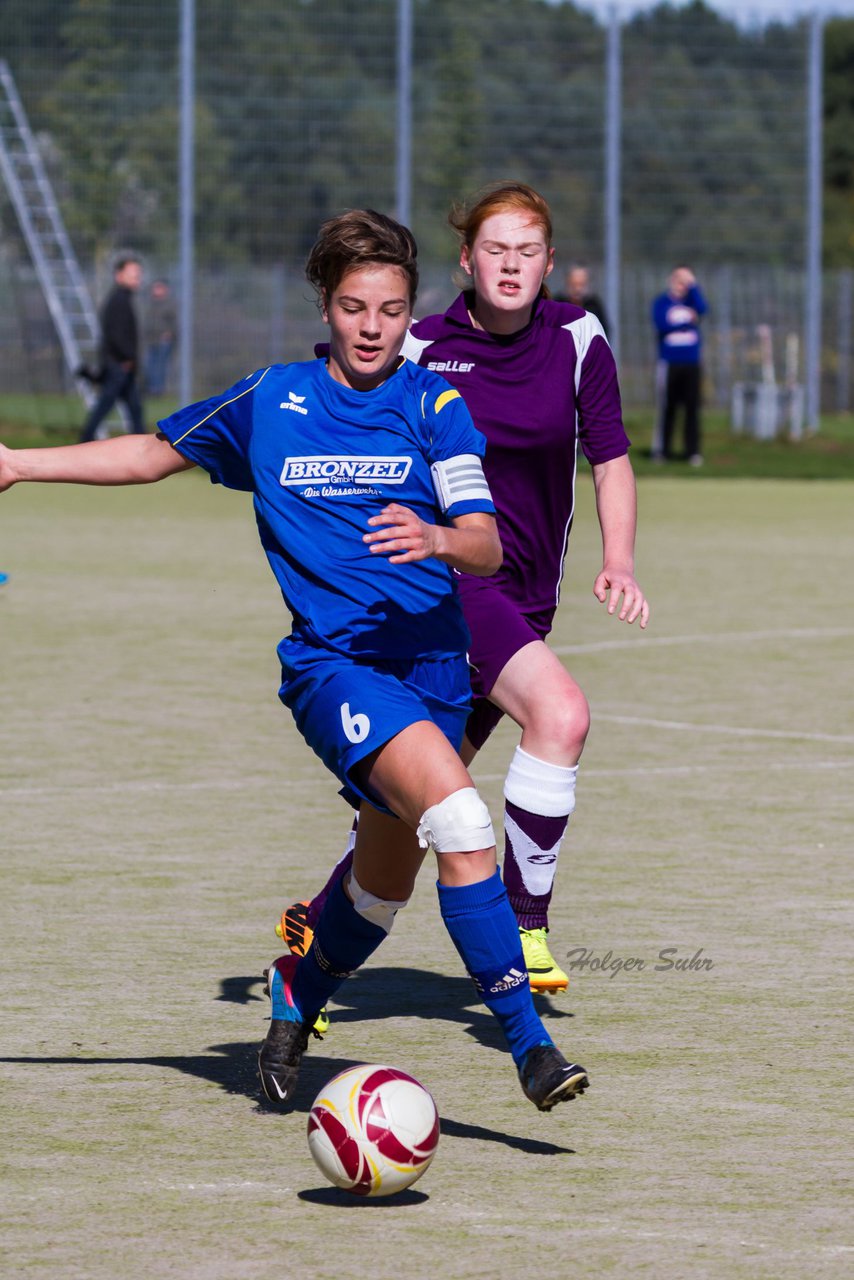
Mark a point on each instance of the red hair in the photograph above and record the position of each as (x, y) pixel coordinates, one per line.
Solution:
(467, 218)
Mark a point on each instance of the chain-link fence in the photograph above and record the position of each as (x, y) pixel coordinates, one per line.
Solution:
(297, 116)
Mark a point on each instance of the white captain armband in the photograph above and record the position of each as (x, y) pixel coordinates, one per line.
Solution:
(460, 479)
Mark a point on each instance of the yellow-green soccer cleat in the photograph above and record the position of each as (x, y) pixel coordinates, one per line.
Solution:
(321, 1023)
(545, 977)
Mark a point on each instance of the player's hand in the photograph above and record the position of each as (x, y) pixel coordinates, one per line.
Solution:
(8, 474)
(402, 535)
(621, 583)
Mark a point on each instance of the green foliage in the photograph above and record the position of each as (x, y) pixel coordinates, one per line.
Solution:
(826, 455)
(708, 119)
(296, 118)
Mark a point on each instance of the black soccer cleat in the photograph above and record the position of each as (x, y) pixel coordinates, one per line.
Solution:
(281, 1053)
(547, 1078)
(279, 1059)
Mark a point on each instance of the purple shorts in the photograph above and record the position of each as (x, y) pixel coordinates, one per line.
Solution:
(499, 628)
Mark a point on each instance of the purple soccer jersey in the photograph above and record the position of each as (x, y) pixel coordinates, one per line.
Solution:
(535, 395)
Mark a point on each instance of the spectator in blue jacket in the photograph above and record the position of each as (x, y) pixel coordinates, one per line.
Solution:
(676, 315)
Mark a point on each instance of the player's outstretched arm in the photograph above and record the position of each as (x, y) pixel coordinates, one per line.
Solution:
(470, 543)
(616, 504)
(132, 459)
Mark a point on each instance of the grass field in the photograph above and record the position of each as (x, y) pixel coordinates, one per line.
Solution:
(158, 809)
(32, 420)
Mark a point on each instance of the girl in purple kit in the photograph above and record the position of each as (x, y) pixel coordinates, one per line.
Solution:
(539, 379)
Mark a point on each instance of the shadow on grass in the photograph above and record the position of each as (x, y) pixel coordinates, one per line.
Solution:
(241, 990)
(378, 993)
(233, 1067)
(338, 1199)
(372, 995)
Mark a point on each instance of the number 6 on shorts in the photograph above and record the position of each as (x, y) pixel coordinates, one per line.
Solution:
(356, 727)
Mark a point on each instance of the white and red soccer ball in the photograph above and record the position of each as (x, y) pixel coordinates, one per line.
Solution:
(373, 1130)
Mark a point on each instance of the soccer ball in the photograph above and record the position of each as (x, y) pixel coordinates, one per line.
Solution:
(373, 1130)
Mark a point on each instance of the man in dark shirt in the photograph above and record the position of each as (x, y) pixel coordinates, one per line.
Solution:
(119, 350)
(578, 292)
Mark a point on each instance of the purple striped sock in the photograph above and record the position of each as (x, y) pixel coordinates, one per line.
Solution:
(531, 847)
(318, 902)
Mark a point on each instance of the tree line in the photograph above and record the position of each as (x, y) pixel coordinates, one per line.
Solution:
(296, 117)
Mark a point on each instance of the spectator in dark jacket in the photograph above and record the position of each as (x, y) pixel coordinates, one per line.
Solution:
(579, 293)
(160, 326)
(119, 350)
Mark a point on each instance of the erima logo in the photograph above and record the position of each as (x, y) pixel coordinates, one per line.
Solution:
(451, 366)
(293, 402)
(342, 470)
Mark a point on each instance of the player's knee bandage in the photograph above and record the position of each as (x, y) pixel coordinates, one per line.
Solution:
(380, 911)
(458, 824)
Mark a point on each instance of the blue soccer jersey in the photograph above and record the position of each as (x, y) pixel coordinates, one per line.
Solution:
(320, 459)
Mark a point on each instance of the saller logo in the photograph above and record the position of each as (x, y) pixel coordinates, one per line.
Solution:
(333, 470)
(451, 366)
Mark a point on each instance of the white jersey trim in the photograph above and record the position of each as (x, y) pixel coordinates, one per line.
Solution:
(413, 347)
(583, 331)
(459, 479)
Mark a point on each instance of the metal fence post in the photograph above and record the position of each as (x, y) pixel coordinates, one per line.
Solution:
(812, 308)
(186, 184)
(843, 341)
(403, 157)
(613, 108)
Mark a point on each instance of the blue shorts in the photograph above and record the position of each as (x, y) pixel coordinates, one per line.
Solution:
(346, 709)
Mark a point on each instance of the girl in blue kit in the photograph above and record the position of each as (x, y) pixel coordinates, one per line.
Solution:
(368, 491)
(541, 384)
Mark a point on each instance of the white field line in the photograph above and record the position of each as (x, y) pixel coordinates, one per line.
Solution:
(145, 788)
(247, 784)
(644, 771)
(710, 637)
(729, 730)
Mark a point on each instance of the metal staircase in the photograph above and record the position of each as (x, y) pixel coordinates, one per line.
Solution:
(56, 265)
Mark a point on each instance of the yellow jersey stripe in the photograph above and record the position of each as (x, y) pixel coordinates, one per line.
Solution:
(445, 398)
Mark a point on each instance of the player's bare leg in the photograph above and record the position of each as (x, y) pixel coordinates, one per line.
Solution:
(537, 691)
(420, 777)
(357, 916)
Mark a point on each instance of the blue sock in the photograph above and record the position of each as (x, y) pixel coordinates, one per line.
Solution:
(483, 928)
(342, 942)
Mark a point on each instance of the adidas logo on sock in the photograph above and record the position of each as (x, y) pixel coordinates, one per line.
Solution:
(514, 978)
